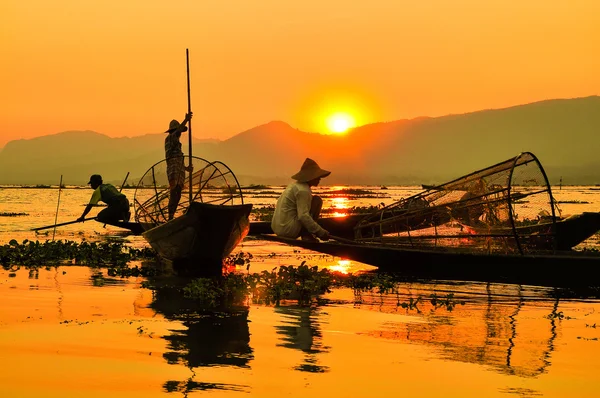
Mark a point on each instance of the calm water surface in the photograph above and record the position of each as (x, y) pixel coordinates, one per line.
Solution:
(72, 331)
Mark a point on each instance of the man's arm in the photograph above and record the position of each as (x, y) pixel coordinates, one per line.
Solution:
(186, 119)
(96, 197)
(85, 212)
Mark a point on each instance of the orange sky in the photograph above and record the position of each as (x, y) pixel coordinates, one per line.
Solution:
(118, 67)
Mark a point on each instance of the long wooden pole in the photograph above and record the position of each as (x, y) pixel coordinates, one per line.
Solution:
(190, 171)
(61, 224)
(57, 205)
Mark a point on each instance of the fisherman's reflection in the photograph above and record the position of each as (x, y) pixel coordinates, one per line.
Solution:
(210, 339)
(301, 331)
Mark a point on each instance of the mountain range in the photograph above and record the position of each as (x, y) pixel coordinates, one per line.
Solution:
(562, 133)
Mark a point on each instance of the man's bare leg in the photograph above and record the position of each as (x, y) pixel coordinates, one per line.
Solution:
(174, 197)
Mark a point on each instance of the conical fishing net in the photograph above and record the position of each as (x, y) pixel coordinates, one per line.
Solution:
(505, 208)
(211, 182)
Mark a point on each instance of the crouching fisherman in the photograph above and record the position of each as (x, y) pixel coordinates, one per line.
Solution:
(118, 205)
(297, 209)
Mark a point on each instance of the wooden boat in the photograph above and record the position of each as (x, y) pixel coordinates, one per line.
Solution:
(494, 224)
(205, 229)
(565, 269)
(210, 218)
(134, 227)
(205, 234)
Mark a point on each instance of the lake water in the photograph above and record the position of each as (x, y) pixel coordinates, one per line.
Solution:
(72, 331)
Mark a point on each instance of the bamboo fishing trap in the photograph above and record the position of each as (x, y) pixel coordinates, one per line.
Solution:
(504, 208)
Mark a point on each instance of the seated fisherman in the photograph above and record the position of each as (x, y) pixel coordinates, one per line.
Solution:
(118, 205)
(297, 209)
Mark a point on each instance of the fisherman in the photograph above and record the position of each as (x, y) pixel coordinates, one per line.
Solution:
(118, 205)
(297, 208)
(175, 162)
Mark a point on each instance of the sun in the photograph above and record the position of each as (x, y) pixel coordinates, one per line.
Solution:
(339, 123)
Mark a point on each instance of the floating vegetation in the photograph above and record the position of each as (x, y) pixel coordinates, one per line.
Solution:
(303, 284)
(353, 192)
(48, 253)
(268, 287)
(256, 186)
(351, 210)
(262, 213)
(8, 214)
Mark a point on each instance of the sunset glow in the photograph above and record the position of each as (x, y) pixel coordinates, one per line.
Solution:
(341, 205)
(254, 63)
(339, 123)
(342, 266)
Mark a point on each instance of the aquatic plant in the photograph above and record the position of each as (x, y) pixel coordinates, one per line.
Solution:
(99, 254)
(302, 284)
(256, 186)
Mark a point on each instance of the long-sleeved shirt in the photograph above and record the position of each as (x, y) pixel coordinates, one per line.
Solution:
(292, 212)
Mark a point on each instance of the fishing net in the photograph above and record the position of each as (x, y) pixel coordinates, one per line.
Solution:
(211, 182)
(505, 208)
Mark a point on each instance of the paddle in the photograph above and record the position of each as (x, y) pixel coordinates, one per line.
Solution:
(343, 240)
(61, 224)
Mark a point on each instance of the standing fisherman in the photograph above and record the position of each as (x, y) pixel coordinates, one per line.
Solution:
(175, 162)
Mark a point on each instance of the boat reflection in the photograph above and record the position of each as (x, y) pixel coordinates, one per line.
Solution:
(509, 328)
(301, 331)
(208, 339)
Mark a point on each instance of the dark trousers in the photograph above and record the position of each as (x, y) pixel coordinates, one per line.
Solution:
(115, 212)
(316, 205)
(174, 198)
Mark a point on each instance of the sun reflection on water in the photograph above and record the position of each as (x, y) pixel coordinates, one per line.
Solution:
(339, 205)
(342, 266)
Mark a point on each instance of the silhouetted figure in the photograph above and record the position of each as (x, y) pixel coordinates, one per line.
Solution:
(118, 205)
(297, 208)
(175, 162)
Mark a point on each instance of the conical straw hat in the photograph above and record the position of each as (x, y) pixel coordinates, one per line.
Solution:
(309, 171)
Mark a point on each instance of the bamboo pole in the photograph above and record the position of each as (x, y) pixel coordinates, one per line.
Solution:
(190, 171)
(61, 224)
(57, 206)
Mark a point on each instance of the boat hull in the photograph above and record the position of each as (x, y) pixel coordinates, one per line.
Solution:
(566, 269)
(337, 226)
(198, 241)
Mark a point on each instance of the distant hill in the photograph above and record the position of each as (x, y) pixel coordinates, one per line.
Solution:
(562, 133)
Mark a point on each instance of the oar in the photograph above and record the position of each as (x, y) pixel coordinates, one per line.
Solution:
(343, 240)
(61, 224)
